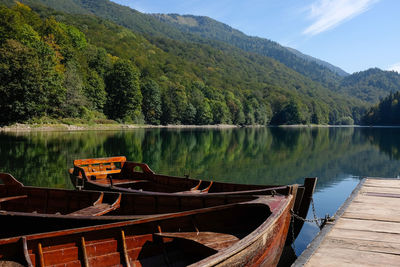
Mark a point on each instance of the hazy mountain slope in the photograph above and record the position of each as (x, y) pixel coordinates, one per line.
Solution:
(333, 68)
(315, 69)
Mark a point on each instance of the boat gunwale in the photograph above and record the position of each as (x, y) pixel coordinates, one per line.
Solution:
(251, 238)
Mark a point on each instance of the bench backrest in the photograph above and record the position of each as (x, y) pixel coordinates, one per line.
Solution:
(100, 167)
(80, 162)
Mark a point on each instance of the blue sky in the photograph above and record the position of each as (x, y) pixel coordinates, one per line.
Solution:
(352, 34)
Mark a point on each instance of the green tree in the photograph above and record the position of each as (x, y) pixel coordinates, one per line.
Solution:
(74, 99)
(94, 90)
(124, 96)
(29, 85)
(236, 108)
(151, 103)
(290, 114)
(220, 112)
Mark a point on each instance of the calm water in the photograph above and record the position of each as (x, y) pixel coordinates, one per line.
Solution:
(339, 157)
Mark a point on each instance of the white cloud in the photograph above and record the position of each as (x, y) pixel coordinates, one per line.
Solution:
(395, 67)
(328, 14)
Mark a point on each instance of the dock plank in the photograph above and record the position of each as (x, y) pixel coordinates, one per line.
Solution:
(366, 231)
(368, 225)
(363, 245)
(374, 189)
(392, 183)
(334, 257)
(365, 235)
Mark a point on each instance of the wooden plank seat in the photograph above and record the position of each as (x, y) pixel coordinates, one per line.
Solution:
(196, 189)
(121, 181)
(216, 241)
(95, 210)
(98, 208)
(104, 172)
(124, 181)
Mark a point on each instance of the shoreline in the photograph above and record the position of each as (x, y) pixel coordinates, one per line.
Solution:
(19, 127)
(106, 127)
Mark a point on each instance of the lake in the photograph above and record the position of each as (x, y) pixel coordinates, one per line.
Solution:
(338, 156)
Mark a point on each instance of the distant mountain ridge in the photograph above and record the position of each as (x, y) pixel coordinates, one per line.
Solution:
(318, 70)
(333, 68)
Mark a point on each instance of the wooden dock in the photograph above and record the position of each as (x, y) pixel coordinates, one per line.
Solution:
(366, 231)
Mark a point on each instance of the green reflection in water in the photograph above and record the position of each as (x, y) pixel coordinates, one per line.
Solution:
(247, 155)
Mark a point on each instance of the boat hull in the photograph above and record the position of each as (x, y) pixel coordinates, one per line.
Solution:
(245, 234)
(158, 184)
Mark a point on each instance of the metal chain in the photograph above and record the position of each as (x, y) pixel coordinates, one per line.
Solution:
(320, 222)
(315, 214)
(292, 222)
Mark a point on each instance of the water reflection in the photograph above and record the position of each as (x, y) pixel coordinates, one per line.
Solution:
(339, 157)
(250, 155)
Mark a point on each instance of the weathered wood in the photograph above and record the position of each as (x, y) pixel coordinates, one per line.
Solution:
(98, 207)
(213, 240)
(364, 235)
(333, 257)
(386, 183)
(368, 231)
(368, 225)
(95, 210)
(46, 209)
(248, 234)
(86, 175)
(378, 246)
(375, 189)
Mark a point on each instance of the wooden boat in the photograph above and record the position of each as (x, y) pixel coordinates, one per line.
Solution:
(27, 210)
(119, 175)
(241, 234)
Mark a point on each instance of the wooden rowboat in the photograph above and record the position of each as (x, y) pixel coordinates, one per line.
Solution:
(241, 234)
(28, 210)
(119, 175)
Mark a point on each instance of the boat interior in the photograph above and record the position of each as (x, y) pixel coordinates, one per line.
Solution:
(121, 174)
(181, 240)
(82, 208)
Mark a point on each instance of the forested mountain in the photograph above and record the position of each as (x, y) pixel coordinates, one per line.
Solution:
(370, 85)
(204, 30)
(96, 66)
(173, 74)
(214, 30)
(333, 68)
(207, 31)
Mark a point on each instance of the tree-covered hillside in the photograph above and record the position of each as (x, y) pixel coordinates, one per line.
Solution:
(203, 30)
(83, 66)
(199, 30)
(387, 112)
(370, 85)
(214, 30)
